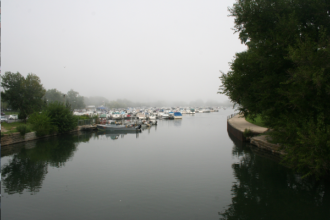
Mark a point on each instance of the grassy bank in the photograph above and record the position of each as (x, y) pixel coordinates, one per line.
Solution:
(8, 128)
(257, 121)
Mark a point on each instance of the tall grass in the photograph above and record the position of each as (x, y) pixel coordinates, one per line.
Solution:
(257, 121)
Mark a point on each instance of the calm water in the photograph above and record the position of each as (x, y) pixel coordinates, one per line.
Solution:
(180, 169)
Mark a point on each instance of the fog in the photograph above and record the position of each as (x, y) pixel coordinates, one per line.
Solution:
(143, 51)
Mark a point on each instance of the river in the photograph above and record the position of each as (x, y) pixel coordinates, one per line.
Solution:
(179, 169)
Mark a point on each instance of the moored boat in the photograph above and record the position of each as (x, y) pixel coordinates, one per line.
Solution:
(165, 116)
(152, 116)
(115, 115)
(141, 116)
(177, 115)
(111, 127)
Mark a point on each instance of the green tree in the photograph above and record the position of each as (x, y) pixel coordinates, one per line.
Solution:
(75, 100)
(53, 95)
(23, 94)
(284, 75)
(4, 105)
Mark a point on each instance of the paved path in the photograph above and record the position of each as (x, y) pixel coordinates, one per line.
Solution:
(241, 124)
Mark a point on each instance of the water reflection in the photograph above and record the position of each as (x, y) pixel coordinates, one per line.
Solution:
(114, 135)
(22, 173)
(149, 128)
(29, 165)
(264, 187)
(177, 122)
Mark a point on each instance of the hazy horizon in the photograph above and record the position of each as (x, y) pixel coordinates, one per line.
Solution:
(142, 51)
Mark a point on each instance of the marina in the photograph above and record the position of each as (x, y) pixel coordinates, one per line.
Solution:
(151, 113)
(188, 168)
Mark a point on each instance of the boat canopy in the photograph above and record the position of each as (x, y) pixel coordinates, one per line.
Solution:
(177, 114)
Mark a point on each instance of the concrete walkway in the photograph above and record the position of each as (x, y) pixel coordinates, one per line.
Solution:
(241, 124)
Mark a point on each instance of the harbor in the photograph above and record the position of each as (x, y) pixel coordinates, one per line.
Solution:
(151, 113)
(189, 168)
(132, 119)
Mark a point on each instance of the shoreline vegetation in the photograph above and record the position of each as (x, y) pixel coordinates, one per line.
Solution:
(9, 128)
(256, 121)
(284, 75)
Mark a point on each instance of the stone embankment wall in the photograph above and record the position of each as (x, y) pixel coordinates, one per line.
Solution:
(235, 132)
(14, 138)
(262, 142)
(17, 138)
(237, 124)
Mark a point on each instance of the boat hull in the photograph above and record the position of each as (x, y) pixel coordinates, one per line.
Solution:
(118, 128)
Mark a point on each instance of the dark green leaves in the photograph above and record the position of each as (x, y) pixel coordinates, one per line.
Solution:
(285, 75)
(23, 94)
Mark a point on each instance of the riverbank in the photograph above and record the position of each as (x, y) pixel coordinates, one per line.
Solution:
(14, 138)
(236, 125)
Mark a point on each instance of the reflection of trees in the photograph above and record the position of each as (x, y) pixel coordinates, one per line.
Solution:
(55, 152)
(266, 190)
(114, 135)
(22, 173)
(28, 168)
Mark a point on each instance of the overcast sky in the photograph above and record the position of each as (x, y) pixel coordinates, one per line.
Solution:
(141, 50)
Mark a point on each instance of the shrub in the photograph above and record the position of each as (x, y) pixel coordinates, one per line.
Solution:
(22, 115)
(248, 133)
(22, 129)
(42, 123)
(84, 117)
(61, 116)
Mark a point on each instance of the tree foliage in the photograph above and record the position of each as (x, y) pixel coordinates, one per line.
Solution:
(72, 98)
(75, 100)
(42, 124)
(53, 95)
(284, 75)
(22, 93)
(61, 116)
(55, 118)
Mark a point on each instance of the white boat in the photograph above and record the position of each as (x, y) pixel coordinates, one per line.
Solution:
(165, 116)
(116, 115)
(141, 116)
(152, 116)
